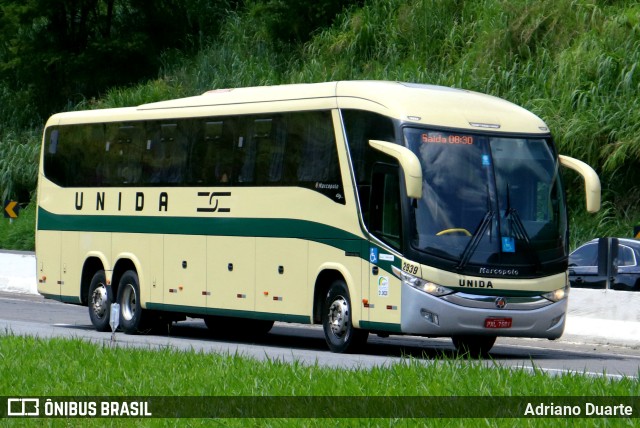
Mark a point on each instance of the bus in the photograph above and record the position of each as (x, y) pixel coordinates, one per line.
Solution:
(364, 206)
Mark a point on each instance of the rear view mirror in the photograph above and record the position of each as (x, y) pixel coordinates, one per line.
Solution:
(591, 181)
(408, 162)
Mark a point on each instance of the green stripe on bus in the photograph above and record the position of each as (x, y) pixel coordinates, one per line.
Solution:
(51, 296)
(246, 227)
(380, 326)
(262, 227)
(64, 299)
(196, 310)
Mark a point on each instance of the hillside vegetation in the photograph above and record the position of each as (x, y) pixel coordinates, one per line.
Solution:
(575, 63)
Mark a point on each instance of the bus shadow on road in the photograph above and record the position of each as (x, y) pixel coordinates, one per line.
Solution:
(311, 338)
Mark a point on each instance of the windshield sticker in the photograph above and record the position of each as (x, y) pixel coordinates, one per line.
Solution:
(486, 160)
(383, 286)
(508, 245)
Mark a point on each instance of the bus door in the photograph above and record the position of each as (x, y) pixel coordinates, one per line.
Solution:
(385, 224)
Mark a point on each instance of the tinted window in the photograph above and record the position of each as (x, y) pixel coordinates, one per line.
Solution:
(386, 220)
(626, 257)
(296, 149)
(585, 256)
(360, 127)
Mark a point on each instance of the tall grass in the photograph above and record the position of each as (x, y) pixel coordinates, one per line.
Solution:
(19, 233)
(19, 152)
(575, 63)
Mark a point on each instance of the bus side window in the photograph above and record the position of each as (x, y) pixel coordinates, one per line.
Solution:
(195, 156)
(166, 153)
(318, 156)
(385, 217)
(211, 152)
(55, 165)
(277, 153)
(212, 171)
(123, 154)
(262, 151)
(262, 141)
(245, 152)
(71, 157)
(92, 145)
(360, 127)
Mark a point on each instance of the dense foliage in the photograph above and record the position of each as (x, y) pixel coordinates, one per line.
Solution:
(575, 63)
(61, 51)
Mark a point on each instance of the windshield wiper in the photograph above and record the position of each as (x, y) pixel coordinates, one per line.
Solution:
(515, 223)
(519, 232)
(516, 226)
(475, 239)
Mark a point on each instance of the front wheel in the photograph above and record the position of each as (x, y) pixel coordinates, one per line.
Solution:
(337, 322)
(131, 312)
(473, 346)
(99, 301)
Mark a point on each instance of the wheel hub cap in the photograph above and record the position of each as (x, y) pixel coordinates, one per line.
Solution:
(339, 316)
(99, 301)
(129, 302)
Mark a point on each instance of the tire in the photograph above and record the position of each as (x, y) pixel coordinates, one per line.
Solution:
(473, 346)
(131, 313)
(340, 334)
(99, 300)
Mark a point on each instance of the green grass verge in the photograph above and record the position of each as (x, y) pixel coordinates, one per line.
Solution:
(57, 367)
(19, 233)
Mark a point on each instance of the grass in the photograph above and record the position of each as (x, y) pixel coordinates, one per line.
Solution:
(19, 233)
(59, 368)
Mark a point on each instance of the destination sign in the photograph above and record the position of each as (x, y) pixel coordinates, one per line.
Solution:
(442, 138)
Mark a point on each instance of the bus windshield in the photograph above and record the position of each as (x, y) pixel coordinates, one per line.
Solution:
(490, 205)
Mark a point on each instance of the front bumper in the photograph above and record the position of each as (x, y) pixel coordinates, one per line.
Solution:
(427, 315)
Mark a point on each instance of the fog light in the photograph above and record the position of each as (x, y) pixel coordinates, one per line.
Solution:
(429, 316)
(556, 321)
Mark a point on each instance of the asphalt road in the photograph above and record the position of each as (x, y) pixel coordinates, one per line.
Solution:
(34, 315)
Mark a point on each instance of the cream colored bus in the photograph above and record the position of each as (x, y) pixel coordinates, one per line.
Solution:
(367, 207)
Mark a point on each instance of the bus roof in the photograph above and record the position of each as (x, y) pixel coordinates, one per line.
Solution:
(421, 104)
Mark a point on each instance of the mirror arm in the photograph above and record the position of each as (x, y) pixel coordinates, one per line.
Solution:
(591, 181)
(409, 163)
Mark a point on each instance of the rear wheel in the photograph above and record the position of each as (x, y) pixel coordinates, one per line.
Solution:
(473, 346)
(99, 301)
(337, 322)
(131, 313)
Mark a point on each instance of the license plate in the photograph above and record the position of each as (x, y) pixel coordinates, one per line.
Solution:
(497, 323)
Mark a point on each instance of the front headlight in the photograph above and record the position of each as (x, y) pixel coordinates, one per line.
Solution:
(557, 295)
(420, 284)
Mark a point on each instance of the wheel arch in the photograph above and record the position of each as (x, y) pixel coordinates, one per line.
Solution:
(92, 264)
(327, 274)
(124, 263)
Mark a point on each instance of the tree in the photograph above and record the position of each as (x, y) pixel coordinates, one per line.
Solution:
(63, 51)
